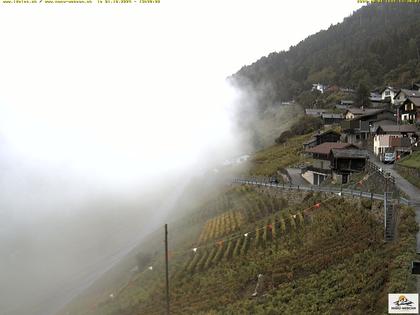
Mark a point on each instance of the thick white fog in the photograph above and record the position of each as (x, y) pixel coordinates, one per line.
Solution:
(104, 110)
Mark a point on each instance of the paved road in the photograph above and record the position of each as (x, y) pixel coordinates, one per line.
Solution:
(296, 177)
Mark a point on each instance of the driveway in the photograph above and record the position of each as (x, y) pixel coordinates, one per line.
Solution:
(296, 177)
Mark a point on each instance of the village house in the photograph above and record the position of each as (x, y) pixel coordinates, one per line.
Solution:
(397, 139)
(321, 167)
(347, 161)
(408, 111)
(319, 87)
(355, 112)
(359, 123)
(403, 94)
(331, 118)
(388, 94)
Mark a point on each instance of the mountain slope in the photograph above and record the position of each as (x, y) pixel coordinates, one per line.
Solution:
(379, 44)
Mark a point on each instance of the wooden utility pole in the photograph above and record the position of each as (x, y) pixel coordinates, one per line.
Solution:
(167, 270)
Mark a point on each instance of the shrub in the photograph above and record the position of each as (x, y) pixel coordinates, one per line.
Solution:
(305, 125)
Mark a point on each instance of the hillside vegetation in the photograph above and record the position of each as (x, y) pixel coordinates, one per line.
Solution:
(413, 160)
(377, 45)
(315, 254)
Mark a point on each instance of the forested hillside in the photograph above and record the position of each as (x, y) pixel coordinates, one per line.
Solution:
(377, 45)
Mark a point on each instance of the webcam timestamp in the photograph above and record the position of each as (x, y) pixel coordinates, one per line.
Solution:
(127, 1)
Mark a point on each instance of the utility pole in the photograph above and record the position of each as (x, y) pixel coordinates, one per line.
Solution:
(385, 200)
(167, 270)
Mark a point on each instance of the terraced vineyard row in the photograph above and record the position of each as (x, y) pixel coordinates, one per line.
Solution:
(338, 255)
(238, 245)
(221, 225)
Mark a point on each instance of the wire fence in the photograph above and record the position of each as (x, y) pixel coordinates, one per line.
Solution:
(336, 190)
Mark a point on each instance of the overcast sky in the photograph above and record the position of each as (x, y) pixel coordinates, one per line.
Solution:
(79, 82)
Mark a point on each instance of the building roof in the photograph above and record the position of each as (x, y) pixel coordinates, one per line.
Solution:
(375, 97)
(315, 111)
(326, 147)
(409, 93)
(364, 111)
(414, 100)
(311, 140)
(350, 153)
(328, 132)
(397, 128)
(332, 115)
(389, 88)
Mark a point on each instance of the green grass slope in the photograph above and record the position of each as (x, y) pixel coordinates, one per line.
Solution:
(318, 254)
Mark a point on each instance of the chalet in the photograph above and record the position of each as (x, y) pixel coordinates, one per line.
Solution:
(404, 130)
(408, 111)
(388, 94)
(315, 112)
(345, 162)
(331, 118)
(394, 138)
(322, 137)
(355, 112)
(321, 167)
(403, 94)
(357, 130)
(384, 122)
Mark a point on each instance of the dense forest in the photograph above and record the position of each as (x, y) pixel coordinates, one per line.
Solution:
(377, 45)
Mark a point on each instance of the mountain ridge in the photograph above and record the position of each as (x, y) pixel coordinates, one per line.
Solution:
(377, 45)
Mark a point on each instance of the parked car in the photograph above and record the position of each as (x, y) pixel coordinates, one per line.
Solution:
(389, 157)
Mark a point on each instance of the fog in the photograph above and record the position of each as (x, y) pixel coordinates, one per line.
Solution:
(82, 180)
(106, 114)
